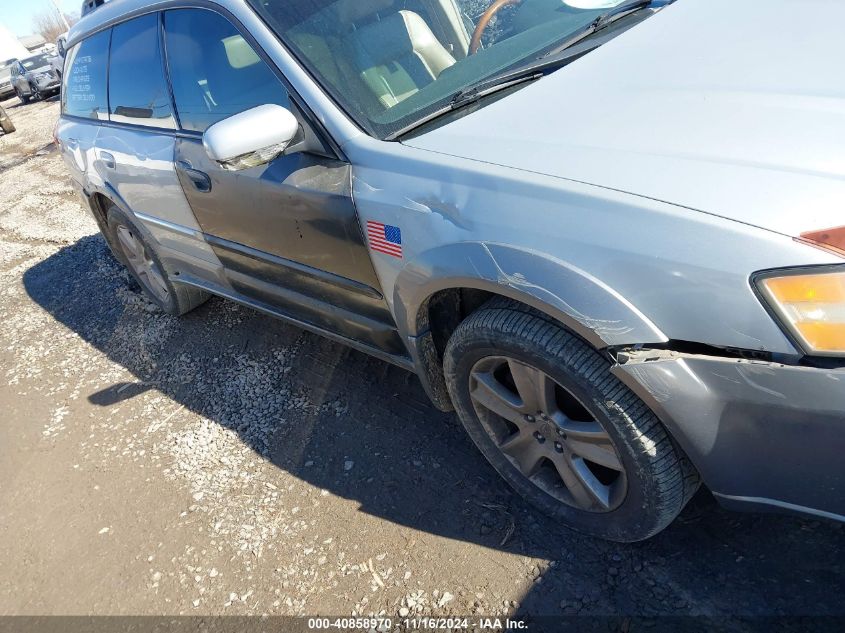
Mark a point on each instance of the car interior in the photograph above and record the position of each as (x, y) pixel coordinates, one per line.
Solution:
(226, 72)
(384, 50)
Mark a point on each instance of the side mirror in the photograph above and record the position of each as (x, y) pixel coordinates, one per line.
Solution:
(251, 138)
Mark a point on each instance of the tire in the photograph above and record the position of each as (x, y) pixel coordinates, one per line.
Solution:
(23, 99)
(643, 480)
(146, 267)
(35, 93)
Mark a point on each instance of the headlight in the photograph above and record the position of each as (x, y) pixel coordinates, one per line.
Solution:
(811, 306)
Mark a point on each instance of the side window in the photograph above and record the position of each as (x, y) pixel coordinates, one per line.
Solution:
(84, 92)
(214, 71)
(137, 89)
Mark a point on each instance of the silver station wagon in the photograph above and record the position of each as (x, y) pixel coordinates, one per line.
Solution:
(608, 234)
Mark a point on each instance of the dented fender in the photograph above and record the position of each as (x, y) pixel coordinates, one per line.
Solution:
(572, 296)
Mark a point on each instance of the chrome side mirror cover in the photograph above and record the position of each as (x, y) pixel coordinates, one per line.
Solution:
(252, 138)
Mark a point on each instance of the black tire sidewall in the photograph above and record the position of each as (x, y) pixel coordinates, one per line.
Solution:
(637, 517)
(116, 218)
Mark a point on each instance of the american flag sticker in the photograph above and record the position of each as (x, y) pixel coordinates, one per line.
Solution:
(385, 238)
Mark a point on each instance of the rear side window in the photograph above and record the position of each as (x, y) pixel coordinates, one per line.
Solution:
(84, 93)
(214, 71)
(137, 89)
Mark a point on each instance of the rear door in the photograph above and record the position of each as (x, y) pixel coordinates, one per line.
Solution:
(134, 151)
(286, 232)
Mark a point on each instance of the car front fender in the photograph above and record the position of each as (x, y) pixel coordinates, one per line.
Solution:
(575, 298)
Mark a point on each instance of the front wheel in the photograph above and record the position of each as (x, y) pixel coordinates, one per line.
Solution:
(24, 99)
(544, 409)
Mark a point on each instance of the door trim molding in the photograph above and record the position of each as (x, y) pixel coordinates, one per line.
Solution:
(349, 285)
(176, 228)
(404, 362)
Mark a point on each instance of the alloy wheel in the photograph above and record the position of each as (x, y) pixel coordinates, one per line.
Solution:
(142, 264)
(548, 434)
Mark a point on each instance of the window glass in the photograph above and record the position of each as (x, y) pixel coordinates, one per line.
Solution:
(214, 71)
(31, 63)
(84, 92)
(392, 64)
(137, 88)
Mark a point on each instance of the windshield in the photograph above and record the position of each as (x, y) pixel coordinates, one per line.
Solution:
(389, 63)
(36, 62)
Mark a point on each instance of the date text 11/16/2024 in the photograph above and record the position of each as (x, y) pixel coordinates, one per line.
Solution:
(418, 624)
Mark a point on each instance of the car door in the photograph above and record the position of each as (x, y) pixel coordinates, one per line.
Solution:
(19, 79)
(287, 232)
(134, 149)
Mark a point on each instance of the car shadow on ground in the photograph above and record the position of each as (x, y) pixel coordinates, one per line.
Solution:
(415, 467)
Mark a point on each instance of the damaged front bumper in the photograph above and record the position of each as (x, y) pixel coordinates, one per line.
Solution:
(764, 436)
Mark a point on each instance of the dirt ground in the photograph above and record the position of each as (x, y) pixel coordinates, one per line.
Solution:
(227, 463)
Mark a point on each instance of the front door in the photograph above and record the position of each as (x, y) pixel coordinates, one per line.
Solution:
(286, 232)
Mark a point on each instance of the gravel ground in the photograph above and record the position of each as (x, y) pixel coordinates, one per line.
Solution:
(227, 463)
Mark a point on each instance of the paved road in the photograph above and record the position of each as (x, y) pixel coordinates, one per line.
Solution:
(229, 463)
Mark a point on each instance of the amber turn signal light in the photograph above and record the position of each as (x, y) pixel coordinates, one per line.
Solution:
(830, 239)
(812, 307)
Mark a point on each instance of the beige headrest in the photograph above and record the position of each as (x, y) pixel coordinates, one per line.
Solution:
(349, 11)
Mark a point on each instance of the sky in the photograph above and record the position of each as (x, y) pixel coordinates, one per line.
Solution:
(16, 15)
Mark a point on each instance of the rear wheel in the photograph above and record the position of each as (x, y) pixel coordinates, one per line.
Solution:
(24, 99)
(544, 409)
(140, 257)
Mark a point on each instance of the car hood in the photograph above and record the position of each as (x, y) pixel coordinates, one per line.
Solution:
(41, 69)
(710, 104)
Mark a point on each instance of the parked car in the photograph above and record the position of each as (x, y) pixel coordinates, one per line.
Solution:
(605, 237)
(35, 77)
(6, 125)
(90, 5)
(58, 62)
(61, 47)
(6, 88)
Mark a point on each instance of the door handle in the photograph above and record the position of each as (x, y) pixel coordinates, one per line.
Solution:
(199, 179)
(72, 143)
(108, 160)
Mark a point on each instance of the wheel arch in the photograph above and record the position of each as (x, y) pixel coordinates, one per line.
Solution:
(100, 200)
(439, 289)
